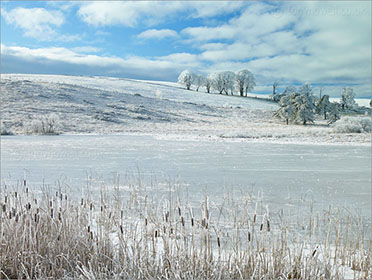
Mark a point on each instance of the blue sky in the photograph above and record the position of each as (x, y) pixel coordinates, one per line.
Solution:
(325, 43)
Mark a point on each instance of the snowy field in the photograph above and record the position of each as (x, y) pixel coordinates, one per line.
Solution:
(102, 105)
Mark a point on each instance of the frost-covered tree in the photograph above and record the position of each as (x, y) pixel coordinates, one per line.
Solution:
(286, 110)
(217, 81)
(229, 81)
(347, 99)
(251, 83)
(287, 91)
(334, 114)
(244, 81)
(199, 81)
(306, 89)
(223, 81)
(323, 106)
(186, 78)
(290, 89)
(296, 108)
(208, 83)
(304, 108)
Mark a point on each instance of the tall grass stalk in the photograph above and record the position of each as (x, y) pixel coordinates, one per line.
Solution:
(136, 236)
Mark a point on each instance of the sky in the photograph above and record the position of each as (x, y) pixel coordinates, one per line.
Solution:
(325, 43)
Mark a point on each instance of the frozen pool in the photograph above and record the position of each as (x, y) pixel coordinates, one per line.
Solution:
(284, 174)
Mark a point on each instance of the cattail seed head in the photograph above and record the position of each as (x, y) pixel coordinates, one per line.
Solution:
(218, 242)
(179, 211)
(249, 236)
(121, 229)
(192, 221)
(268, 225)
(182, 221)
(261, 227)
(4, 208)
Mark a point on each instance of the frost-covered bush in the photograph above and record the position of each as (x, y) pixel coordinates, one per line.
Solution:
(5, 130)
(45, 125)
(353, 125)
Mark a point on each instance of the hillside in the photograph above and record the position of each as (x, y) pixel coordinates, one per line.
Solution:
(102, 105)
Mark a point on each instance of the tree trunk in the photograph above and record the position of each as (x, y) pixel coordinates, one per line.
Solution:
(287, 121)
(325, 115)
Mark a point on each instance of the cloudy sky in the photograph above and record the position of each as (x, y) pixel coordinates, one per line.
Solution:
(327, 44)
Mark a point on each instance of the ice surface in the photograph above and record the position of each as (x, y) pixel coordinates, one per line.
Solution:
(287, 175)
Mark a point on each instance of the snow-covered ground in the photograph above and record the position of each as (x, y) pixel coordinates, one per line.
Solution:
(104, 105)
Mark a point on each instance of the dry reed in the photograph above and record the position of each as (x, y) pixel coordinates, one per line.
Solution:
(54, 236)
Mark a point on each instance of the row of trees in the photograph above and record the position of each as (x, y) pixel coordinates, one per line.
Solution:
(298, 105)
(223, 82)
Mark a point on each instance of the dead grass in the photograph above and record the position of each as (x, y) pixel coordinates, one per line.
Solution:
(139, 237)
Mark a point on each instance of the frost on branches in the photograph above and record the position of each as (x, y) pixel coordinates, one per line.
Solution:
(245, 81)
(222, 82)
(186, 78)
(347, 99)
(297, 107)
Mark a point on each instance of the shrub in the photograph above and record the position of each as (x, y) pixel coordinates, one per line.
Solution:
(46, 125)
(353, 125)
(5, 130)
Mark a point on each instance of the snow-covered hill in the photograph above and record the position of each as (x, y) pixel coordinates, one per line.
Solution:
(114, 105)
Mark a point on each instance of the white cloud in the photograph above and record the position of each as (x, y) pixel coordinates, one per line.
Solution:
(325, 43)
(157, 34)
(35, 22)
(39, 23)
(130, 13)
(86, 49)
(55, 60)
